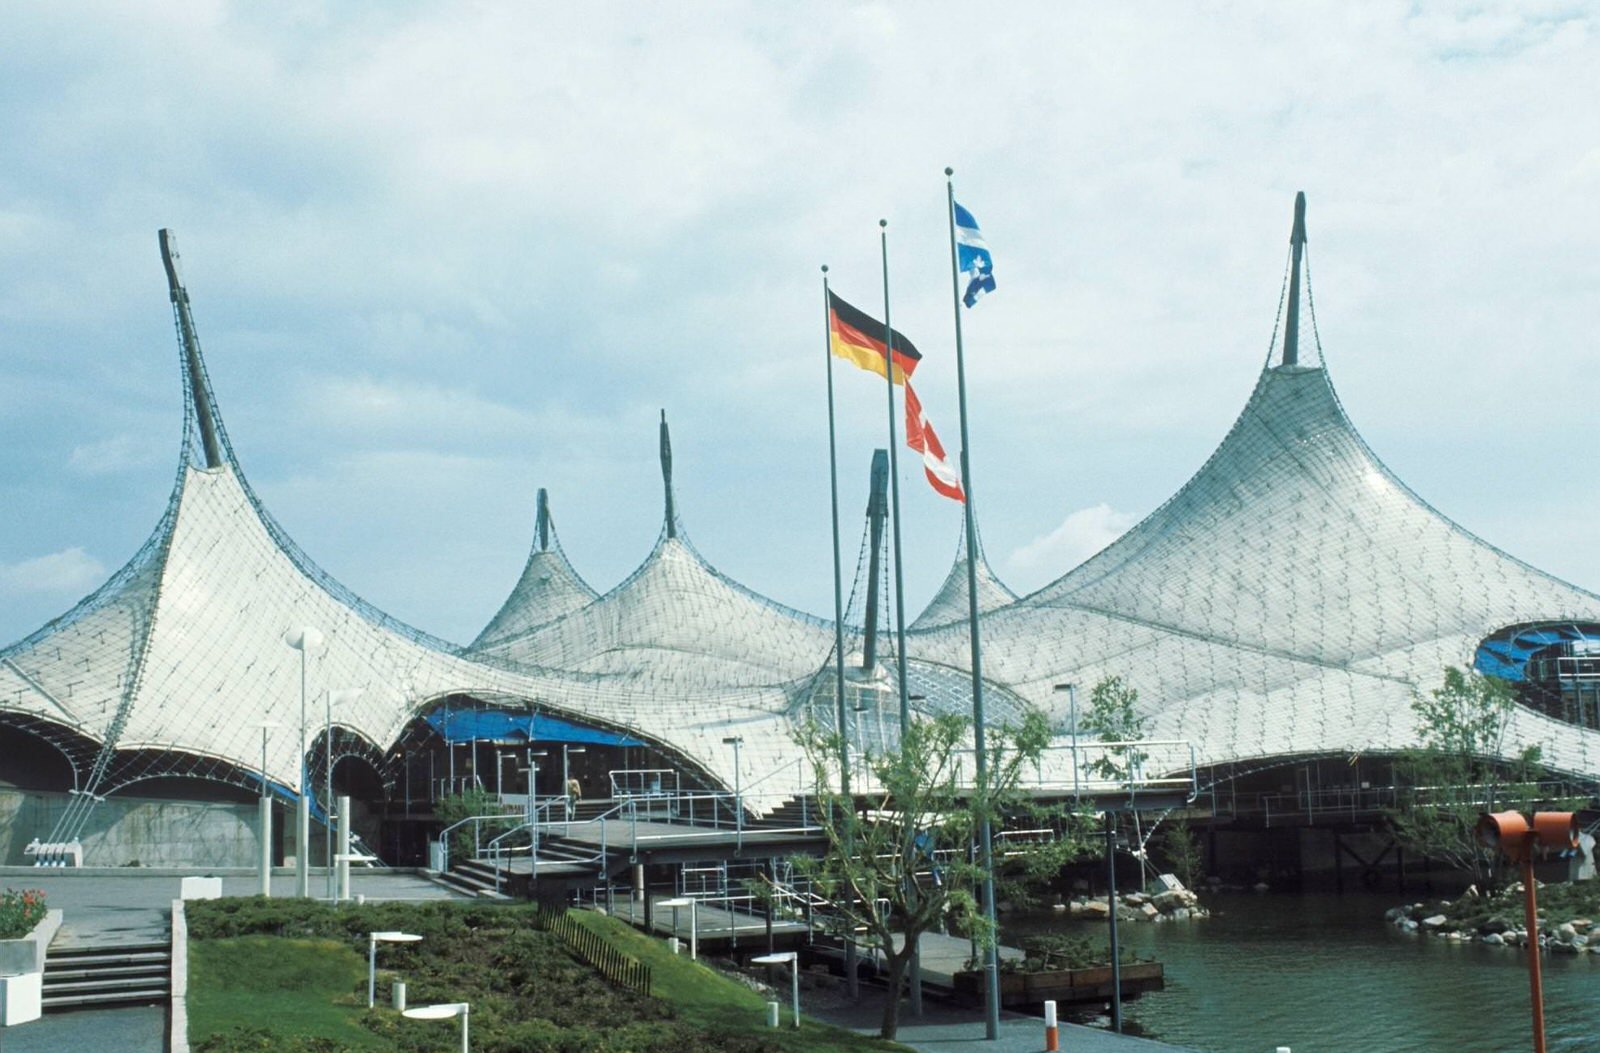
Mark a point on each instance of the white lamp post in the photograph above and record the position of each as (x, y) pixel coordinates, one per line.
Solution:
(443, 1011)
(308, 641)
(373, 939)
(793, 961)
(266, 810)
(694, 922)
(738, 794)
(332, 698)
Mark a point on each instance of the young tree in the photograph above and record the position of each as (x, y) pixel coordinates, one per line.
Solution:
(1455, 773)
(904, 863)
(1113, 716)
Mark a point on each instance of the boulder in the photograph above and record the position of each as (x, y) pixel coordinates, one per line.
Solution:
(1494, 939)
(1434, 921)
(1149, 912)
(1167, 902)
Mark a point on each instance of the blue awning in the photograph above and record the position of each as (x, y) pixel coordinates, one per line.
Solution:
(477, 725)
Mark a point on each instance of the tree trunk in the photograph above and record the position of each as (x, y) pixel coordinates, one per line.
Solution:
(891, 1003)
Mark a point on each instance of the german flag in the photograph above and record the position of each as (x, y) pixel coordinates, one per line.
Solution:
(857, 337)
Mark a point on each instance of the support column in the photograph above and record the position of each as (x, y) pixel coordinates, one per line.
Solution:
(302, 847)
(343, 865)
(266, 846)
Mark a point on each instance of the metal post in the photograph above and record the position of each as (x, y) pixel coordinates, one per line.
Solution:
(894, 487)
(1111, 899)
(327, 792)
(852, 983)
(1530, 908)
(302, 845)
(738, 794)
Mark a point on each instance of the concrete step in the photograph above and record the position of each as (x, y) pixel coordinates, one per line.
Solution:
(95, 975)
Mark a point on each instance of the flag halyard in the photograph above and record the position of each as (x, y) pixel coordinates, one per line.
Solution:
(920, 437)
(972, 257)
(857, 337)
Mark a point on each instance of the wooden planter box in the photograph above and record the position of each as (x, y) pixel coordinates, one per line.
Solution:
(1062, 985)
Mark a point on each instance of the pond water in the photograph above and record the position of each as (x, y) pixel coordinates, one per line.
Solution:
(1323, 973)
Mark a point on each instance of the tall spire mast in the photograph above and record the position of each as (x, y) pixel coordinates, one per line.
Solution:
(541, 528)
(1297, 241)
(191, 351)
(666, 475)
(877, 512)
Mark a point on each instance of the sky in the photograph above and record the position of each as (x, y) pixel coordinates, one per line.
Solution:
(441, 255)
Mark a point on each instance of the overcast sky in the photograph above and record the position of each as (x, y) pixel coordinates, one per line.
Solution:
(443, 254)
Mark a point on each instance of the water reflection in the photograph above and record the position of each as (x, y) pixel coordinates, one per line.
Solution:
(1322, 973)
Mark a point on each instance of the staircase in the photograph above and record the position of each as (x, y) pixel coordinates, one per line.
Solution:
(792, 813)
(91, 976)
(474, 877)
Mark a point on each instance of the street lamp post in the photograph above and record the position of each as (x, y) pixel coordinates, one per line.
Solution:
(738, 793)
(792, 960)
(1513, 836)
(373, 939)
(694, 922)
(1072, 710)
(444, 1011)
(266, 810)
(308, 641)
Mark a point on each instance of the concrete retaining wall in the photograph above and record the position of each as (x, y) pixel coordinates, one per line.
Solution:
(130, 830)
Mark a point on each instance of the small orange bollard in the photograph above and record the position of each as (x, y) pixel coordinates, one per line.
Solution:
(1052, 1034)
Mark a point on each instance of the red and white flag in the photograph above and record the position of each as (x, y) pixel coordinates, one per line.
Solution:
(920, 437)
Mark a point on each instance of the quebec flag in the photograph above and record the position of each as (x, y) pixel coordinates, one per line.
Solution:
(972, 257)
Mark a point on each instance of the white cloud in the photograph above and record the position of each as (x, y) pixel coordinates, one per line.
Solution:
(514, 232)
(111, 455)
(71, 570)
(1080, 535)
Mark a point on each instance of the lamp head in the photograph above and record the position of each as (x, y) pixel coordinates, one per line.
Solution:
(1510, 833)
(305, 638)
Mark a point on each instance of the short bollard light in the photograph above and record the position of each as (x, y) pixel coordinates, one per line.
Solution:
(443, 1011)
(373, 939)
(694, 922)
(398, 993)
(1519, 840)
(772, 1014)
(793, 961)
(1052, 1035)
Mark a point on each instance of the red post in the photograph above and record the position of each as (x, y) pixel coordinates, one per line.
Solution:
(1535, 981)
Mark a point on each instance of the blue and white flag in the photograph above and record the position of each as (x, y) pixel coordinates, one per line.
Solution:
(972, 257)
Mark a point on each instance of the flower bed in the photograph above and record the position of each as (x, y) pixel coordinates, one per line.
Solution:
(20, 911)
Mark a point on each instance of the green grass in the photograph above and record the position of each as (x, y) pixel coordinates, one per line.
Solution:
(290, 975)
(281, 989)
(708, 999)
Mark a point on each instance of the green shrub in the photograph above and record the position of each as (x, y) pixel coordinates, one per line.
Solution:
(20, 911)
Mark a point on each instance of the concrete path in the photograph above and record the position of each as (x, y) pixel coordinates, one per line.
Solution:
(948, 1029)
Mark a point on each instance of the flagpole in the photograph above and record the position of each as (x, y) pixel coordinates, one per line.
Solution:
(851, 981)
(894, 485)
(991, 970)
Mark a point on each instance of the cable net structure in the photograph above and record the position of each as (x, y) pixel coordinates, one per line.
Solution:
(1292, 598)
(1289, 600)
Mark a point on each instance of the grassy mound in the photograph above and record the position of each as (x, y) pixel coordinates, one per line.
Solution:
(291, 975)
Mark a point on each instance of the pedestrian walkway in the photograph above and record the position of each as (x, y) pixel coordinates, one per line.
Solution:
(948, 1029)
